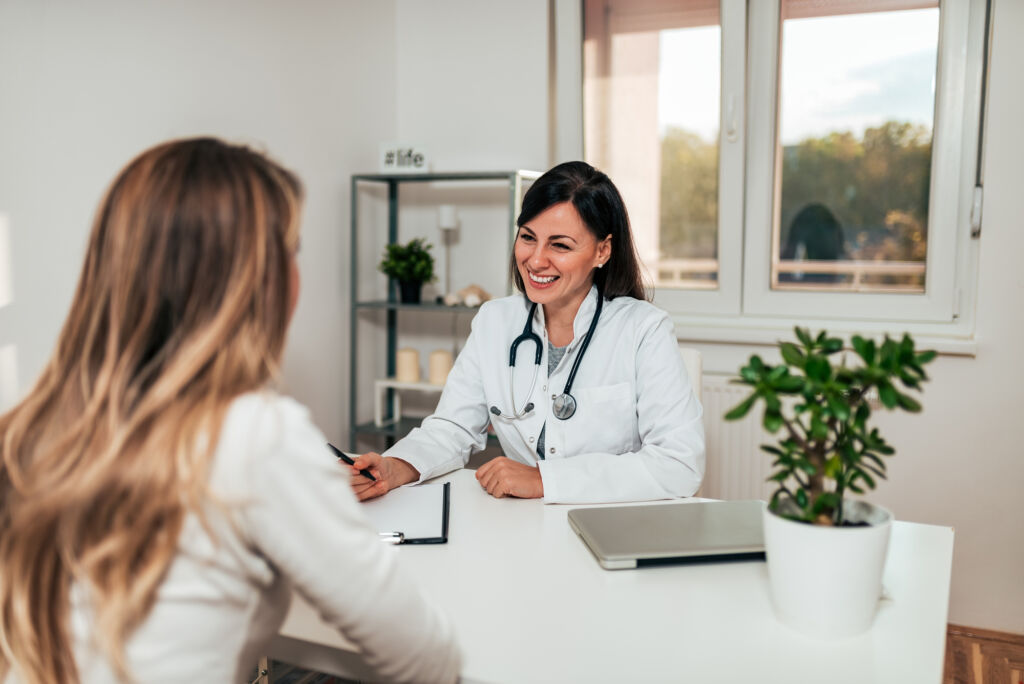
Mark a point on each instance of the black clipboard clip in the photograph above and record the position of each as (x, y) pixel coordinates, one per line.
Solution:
(398, 537)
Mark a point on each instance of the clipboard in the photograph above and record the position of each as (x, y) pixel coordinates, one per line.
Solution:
(412, 515)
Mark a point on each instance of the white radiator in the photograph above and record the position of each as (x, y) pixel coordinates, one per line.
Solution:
(736, 466)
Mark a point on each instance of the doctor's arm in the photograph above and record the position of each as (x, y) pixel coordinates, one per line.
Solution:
(446, 439)
(670, 460)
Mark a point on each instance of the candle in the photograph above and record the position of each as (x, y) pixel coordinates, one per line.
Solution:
(440, 365)
(407, 365)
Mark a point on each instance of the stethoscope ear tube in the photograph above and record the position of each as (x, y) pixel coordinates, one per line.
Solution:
(564, 405)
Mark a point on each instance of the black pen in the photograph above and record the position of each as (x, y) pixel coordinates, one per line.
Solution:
(344, 457)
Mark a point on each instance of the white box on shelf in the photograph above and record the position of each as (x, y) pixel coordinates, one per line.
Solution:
(380, 391)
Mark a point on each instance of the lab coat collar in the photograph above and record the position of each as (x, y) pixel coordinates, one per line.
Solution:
(580, 324)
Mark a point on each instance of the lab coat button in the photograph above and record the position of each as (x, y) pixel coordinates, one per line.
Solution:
(544, 388)
(552, 397)
(552, 450)
(531, 440)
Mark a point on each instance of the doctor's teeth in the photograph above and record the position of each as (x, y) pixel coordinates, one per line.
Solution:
(542, 279)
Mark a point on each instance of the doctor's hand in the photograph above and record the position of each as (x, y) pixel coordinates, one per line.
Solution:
(502, 476)
(390, 473)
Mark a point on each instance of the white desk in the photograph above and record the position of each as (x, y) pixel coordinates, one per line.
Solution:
(531, 604)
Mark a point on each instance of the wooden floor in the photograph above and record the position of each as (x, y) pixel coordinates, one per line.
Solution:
(980, 656)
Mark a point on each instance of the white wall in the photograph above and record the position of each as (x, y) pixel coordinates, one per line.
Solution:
(86, 86)
(961, 462)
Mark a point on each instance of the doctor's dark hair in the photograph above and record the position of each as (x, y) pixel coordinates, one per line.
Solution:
(600, 205)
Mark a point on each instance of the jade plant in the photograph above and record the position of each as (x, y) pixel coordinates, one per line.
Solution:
(410, 263)
(826, 448)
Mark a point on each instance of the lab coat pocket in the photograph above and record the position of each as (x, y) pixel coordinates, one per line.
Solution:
(609, 417)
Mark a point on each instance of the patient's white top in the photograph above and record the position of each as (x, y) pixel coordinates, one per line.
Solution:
(291, 522)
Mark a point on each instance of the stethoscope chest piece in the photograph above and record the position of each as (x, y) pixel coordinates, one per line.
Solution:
(564, 406)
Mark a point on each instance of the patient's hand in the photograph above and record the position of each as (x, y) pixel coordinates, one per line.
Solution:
(390, 473)
(504, 477)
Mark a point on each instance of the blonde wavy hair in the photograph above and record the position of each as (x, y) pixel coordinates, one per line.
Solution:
(183, 304)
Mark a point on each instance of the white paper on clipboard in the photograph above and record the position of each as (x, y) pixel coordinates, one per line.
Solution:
(417, 512)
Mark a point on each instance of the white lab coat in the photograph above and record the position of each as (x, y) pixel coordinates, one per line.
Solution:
(637, 433)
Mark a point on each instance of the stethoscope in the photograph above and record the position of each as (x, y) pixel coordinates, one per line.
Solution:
(564, 405)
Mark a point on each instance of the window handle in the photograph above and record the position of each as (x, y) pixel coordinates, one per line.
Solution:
(732, 131)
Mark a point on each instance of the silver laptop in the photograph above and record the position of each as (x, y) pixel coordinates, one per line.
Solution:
(633, 536)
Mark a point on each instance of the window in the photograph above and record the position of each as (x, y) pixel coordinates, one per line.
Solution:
(792, 160)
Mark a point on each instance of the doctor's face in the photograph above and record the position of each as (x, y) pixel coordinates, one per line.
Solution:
(556, 255)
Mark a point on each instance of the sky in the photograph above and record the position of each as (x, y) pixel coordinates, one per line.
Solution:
(838, 73)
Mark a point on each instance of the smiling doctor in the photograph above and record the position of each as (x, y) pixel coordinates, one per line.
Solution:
(580, 376)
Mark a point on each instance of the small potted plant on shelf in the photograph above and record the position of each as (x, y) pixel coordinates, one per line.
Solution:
(410, 266)
(826, 552)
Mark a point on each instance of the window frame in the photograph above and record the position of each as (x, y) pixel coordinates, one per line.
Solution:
(945, 211)
(744, 309)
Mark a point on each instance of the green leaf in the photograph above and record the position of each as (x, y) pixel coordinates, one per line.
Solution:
(804, 336)
(806, 466)
(819, 430)
(908, 403)
(889, 355)
(789, 384)
(772, 421)
(865, 477)
(825, 502)
(750, 374)
(742, 408)
(791, 354)
(887, 393)
(818, 368)
(833, 467)
(831, 345)
(865, 349)
(925, 357)
(801, 497)
(874, 457)
(862, 415)
(838, 407)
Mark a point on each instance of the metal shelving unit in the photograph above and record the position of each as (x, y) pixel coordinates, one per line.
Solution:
(515, 180)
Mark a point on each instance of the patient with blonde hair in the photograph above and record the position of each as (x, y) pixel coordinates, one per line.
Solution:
(159, 502)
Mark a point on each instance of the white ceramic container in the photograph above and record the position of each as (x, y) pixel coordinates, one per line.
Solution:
(826, 581)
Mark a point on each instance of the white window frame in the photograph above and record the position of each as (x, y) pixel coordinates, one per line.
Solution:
(744, 309)
(726, 299)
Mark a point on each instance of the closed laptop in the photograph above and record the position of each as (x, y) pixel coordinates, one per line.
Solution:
(630, 536)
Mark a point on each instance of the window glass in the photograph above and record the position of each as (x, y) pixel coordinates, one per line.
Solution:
(652, 87)
(689, 92)
(854, 145)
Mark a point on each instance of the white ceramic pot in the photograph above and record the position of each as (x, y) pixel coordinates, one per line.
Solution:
(826, 581)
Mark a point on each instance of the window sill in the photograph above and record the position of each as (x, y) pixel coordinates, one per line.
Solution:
(948, 340)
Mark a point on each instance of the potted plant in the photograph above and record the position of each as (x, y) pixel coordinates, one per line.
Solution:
(826, 552)
(410, 266)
